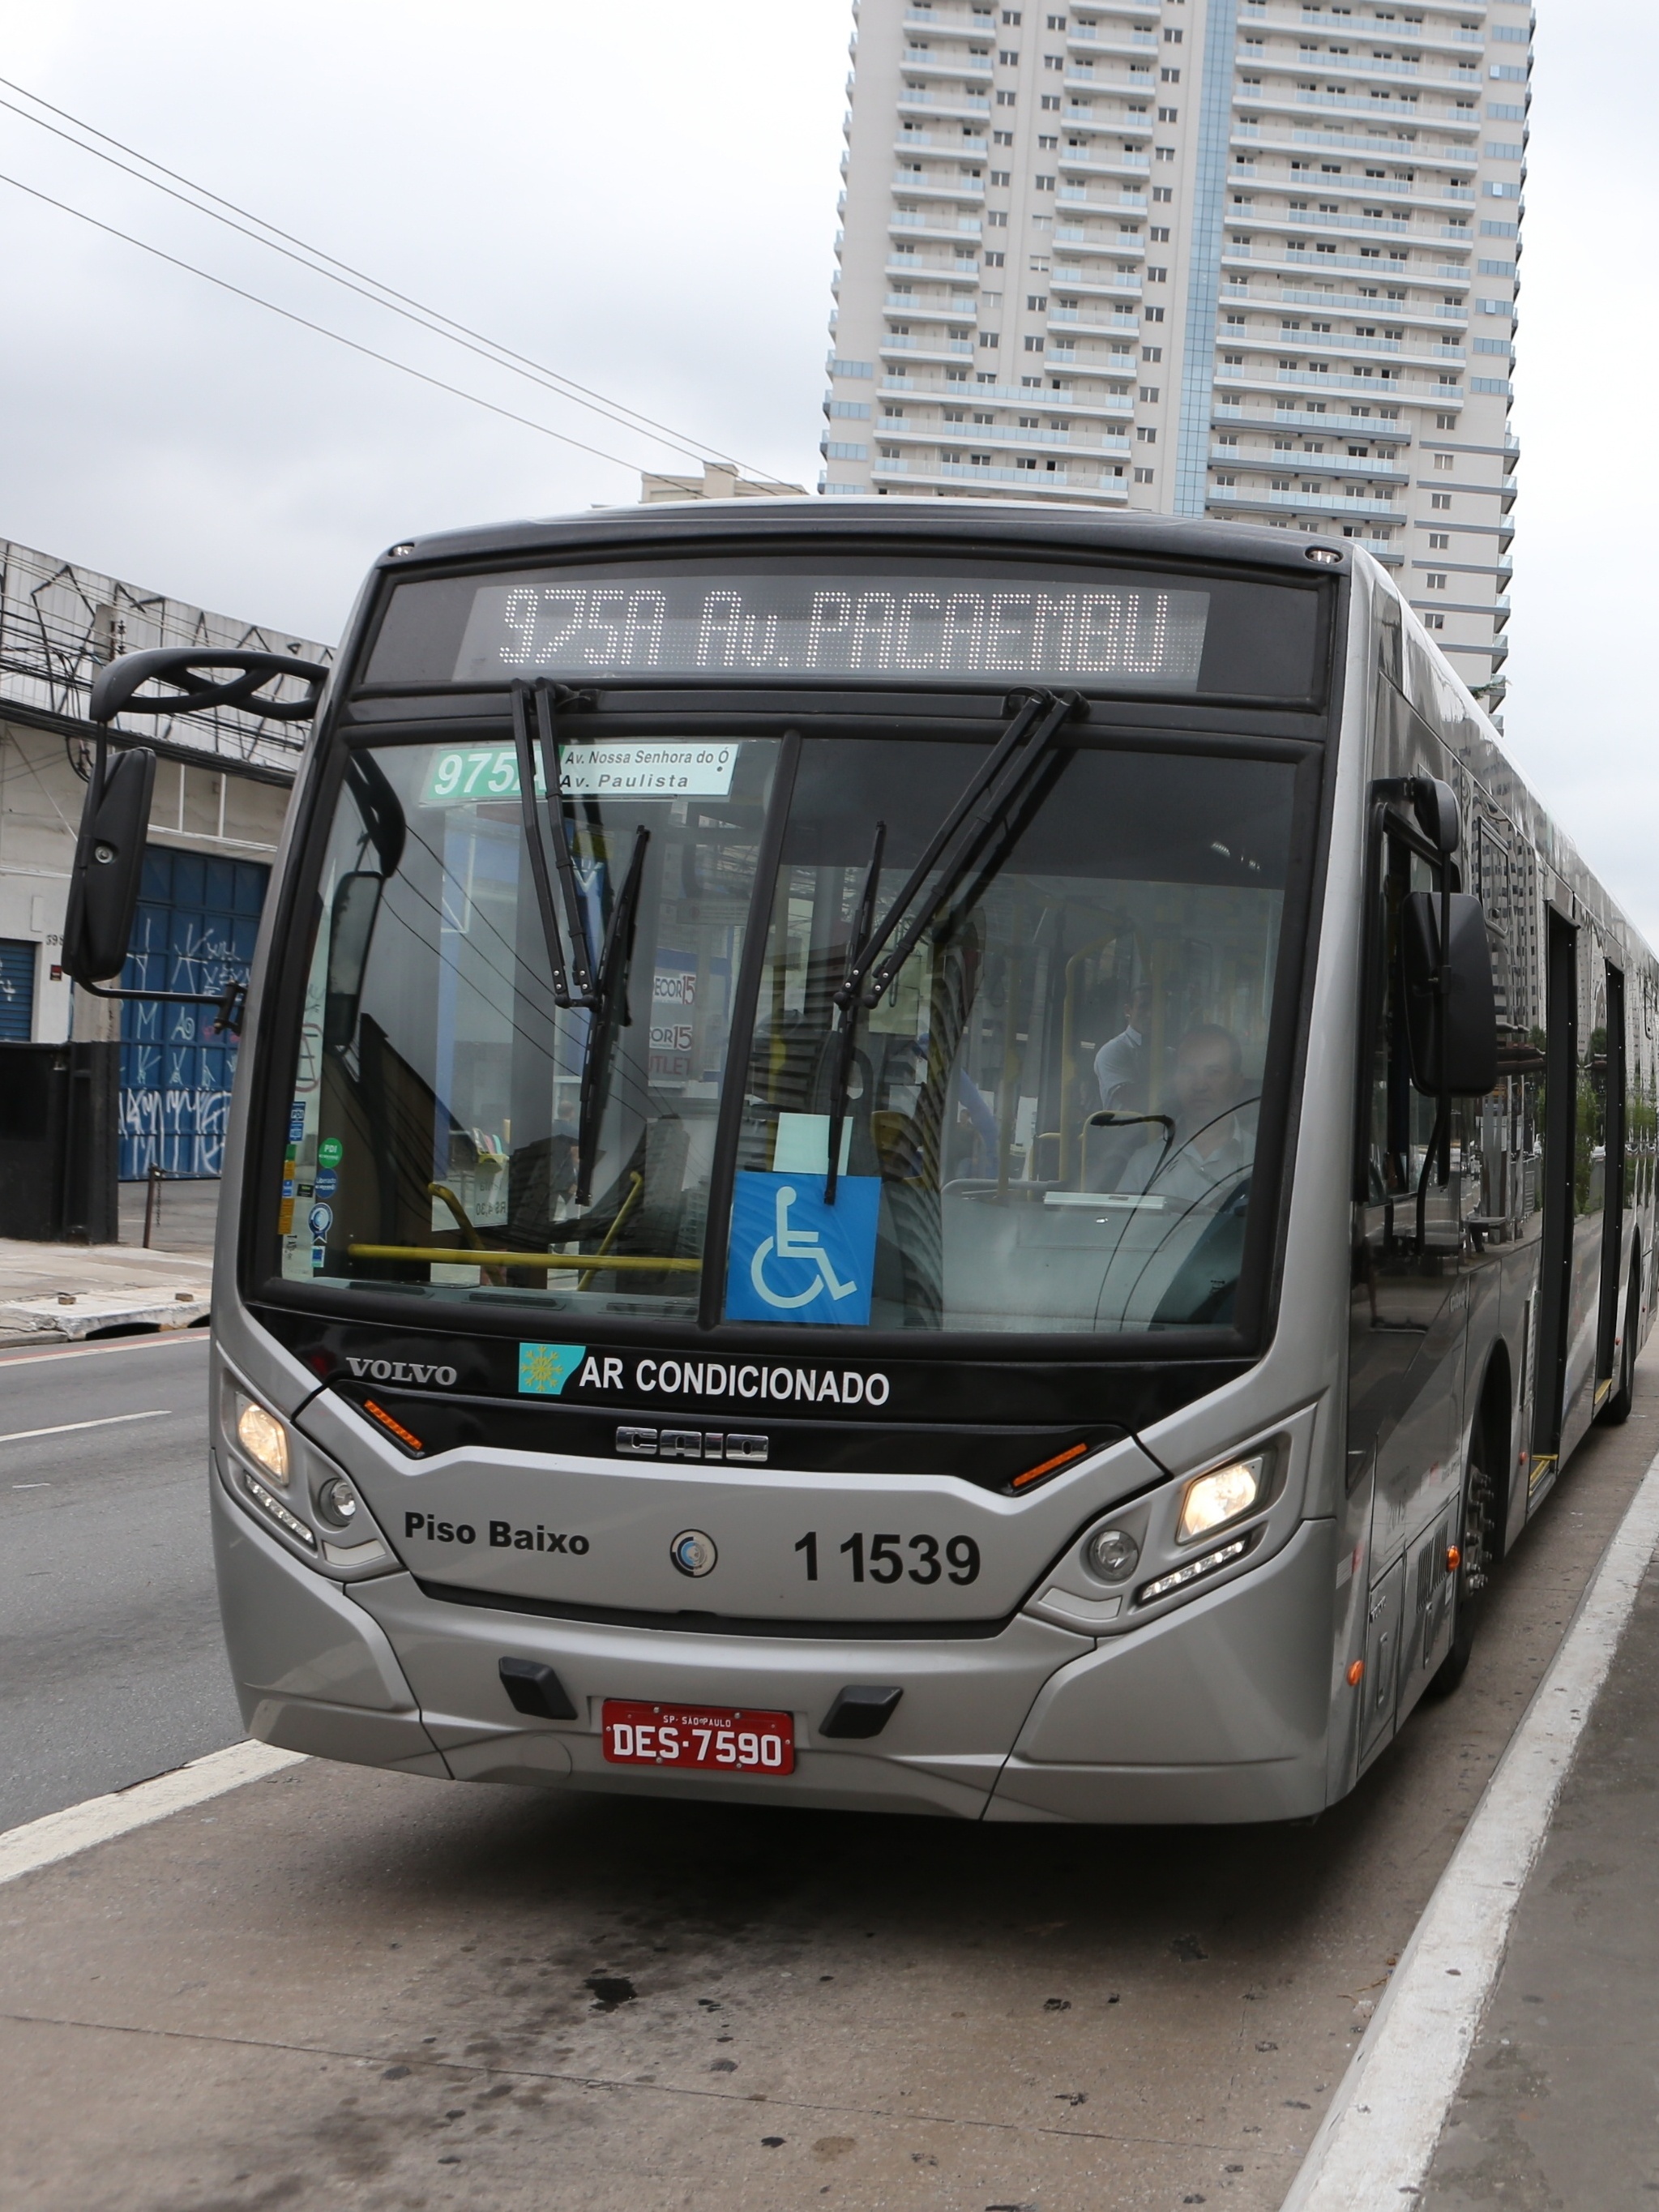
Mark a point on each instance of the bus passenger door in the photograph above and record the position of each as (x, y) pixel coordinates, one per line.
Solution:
(1409, 1300)
(1607, 1083)
(1570, 1270)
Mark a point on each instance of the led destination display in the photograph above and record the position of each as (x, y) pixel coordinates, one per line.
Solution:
(941, 626)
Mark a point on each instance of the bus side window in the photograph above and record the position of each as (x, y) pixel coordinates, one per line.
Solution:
(1402, 1119)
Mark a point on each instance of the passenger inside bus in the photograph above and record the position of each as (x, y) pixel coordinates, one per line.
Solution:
(1120, 1063)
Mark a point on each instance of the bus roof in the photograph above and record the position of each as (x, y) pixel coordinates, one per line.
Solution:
(703, 524)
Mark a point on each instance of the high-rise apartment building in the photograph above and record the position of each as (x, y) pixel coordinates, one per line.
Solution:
(1248, 257)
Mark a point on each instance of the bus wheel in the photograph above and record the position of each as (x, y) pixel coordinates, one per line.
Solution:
(1477, 1550)
(1618, 1407)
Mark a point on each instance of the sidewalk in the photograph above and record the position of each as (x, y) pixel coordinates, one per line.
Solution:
(53, 1293)
(1557, 2106)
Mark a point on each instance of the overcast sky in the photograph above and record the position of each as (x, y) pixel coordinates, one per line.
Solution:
(642, 196)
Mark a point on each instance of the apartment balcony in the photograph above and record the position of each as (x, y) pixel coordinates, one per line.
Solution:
(1391, 391)
(1343, 303)
(928, 310)
(941, 142)
(1411, 150)
(1304, 502)
(1323, 263)
(933, 223)
(1281, 62)
(1094, 406)
(1108, 445)
(1380, 430)
(930, 188)
(1120, 249)
(1339, 342)
(1385, 468)
(973, 107)
(1364, 226)
(921, 61)
(1074, 321)
(1111, 39)
(1099, 162)
(1079, 195)
(1033, 484)
(945, 27)
(1423, 197)
(1121, 285)
(1347, 103)
(1422, 34)
(917, 347)
(938, 272)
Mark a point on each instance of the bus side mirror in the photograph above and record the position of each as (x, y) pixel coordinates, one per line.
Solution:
(357, 898)
(351, 925)
(1451, 1015)
(1435, 805)
(109, 862)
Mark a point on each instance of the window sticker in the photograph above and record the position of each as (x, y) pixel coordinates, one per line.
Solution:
(794, 1259)
(606, 769)
(544, 1369)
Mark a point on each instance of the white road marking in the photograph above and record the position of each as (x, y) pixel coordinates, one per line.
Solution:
(64, 1428)
(61, 1835)
(105, 1350)
(1376, 2143)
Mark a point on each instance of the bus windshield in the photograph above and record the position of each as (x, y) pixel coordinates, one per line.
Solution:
(1047, 1122)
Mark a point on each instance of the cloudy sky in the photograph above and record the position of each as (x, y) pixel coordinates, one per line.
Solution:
(642, 196)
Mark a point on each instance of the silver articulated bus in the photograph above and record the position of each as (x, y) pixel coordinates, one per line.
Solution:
(927, 1156)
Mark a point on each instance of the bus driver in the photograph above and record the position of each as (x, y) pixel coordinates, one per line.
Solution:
(1211, 1144)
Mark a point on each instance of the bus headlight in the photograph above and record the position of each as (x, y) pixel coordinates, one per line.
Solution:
(1221, 1496)
(263, 1438)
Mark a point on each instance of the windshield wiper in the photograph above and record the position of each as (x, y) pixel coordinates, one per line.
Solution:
(990, 798)
(610, 991)
(547, 696)
(587, 985)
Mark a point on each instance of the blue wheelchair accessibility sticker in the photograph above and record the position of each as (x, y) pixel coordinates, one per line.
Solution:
(794, 1258)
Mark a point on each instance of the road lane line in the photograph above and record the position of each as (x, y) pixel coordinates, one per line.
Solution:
(1375, 2142)
(65, 1428)
(97, 1820)
(105, 1350)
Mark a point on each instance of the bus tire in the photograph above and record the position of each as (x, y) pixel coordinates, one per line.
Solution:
(1477, 1550)
(1618, 1407)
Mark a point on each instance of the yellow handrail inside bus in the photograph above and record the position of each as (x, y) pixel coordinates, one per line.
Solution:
(451, 1256)
(634, 1189)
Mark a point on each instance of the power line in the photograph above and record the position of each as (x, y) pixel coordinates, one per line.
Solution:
(381, 294)
(305, 323)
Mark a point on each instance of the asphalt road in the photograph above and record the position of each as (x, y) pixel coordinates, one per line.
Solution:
(111, 1666)
(338, 1988)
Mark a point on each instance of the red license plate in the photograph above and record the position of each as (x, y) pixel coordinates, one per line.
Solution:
(714, 1737)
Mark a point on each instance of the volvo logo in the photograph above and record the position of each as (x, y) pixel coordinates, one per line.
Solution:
(693, 1553)
(402, 1370)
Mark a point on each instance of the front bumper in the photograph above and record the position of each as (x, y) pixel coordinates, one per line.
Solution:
(1216, 1713)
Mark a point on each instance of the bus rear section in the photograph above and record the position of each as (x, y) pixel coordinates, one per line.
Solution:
(769, 1262)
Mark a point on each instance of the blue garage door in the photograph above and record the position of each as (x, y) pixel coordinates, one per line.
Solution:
(16, 991)
(196, 922)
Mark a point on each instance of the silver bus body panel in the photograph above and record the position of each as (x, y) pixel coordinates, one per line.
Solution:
(313, 1672)
(1238, 1704)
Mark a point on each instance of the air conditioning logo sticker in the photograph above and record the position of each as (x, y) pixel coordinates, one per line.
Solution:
(544, 1369)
